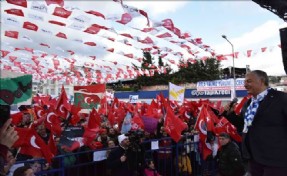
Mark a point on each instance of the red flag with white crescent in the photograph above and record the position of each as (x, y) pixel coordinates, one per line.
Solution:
(88, 97)
(32, 144)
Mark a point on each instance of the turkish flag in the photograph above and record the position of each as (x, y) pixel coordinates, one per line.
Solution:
(61, 12)
(92, 30)
(90, 134)
(111, 50)
(168, 24)
(164, 35)
(137, 122)
(147, 29)
(16, 118)
(12, 34)
(144, 14)
(147, 40)
(75, 114)
(30, 26)
(22, 3)
(238, 108)
(63, 106)
(94, 120)
(40, 112)
(126, 18)
(232, 131)
(177, 31)
(31, 144)
(61, 35)
(220, 126)
(52, 145)
(53, 122)
(4, 53)
(249, 52)
(173, 125)
(206, 148)
(12, 58)
(17, 12)
(89, 94)
(57, 23)
(59, 2)
(91, 43)
(129, 55)
(96, 13)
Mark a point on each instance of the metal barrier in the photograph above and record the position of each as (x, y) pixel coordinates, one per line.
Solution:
(167, 160)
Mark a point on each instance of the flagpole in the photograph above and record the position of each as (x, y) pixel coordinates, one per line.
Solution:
(233, 87)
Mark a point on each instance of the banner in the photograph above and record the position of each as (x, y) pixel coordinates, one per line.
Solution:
(88, 97)
(226, 84)
(176, 93)
(15, 88)
(133, 98)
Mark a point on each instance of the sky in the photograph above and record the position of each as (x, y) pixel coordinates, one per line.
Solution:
(247, 26)
(245, 23)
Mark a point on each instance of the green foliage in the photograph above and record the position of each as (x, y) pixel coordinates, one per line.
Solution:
(147, 61)
(187, 73)
(160, 63)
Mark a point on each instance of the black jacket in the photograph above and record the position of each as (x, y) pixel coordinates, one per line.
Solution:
(230, 161)
(114, 163)
(266, 139)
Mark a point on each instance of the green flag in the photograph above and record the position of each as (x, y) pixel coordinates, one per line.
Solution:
(15, 88)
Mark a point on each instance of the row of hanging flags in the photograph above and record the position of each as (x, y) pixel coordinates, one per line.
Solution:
(47, 64)
(65, 64)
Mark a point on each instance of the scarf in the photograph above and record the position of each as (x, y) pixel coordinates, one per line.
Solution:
(252, 109)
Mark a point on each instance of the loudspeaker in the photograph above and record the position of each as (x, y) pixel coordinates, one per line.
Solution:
(283, 36)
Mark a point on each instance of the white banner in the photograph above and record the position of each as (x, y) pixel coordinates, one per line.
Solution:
(133, 98)
(226, 84)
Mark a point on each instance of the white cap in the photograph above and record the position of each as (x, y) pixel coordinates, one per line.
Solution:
(121, 138)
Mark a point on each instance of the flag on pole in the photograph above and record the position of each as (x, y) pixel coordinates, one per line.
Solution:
(176, 93)
(127, 124)
(88, 97)
(15, 88)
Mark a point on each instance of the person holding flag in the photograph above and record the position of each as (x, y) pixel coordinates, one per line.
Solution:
(8, 136)
(263, 123)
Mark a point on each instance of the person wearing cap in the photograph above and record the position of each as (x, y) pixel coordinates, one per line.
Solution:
(229, 157)
(263, 124)
(118, 158)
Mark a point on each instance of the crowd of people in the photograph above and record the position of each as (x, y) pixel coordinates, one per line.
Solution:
(262, 122)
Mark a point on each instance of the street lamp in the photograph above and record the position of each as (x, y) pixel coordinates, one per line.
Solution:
(233, 94)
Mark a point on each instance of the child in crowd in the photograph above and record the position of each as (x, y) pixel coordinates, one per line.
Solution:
(150, 170)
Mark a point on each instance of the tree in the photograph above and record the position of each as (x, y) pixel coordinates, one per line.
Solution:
(188, 72)
(160, 63)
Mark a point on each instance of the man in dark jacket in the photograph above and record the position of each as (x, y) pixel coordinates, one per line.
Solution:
(118, 158)
(229, 157)
(263, 123)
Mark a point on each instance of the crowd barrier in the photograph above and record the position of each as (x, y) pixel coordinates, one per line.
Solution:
(166, 158)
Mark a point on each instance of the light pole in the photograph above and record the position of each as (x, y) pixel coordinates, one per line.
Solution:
(233, 94)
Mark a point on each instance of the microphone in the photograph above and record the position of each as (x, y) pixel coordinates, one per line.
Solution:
(230, 106)
(233, 102)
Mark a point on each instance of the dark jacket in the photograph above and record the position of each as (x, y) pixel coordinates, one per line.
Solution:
(266, 140)
(230, 161)
(3, 155)
(114, 163)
